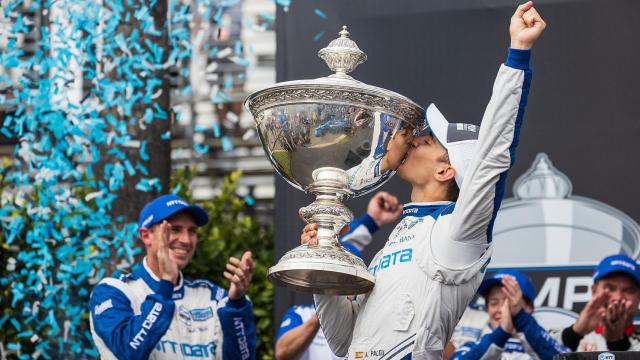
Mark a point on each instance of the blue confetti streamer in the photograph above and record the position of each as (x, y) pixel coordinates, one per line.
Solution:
(227, 145)
(318, 36)
(248, 199)
(283, 3)
(143, 150)
(320, 13)
(200, 149)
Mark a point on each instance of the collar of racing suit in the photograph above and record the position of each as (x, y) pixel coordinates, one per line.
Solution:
(143, 271)
(628, 330)
(425, 209)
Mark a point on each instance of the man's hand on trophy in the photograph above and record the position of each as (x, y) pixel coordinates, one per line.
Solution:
(310, 234)
(384, 208)
(526, 26)
(397, 149)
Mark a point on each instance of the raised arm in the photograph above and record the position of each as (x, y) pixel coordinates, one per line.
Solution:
(483, 187)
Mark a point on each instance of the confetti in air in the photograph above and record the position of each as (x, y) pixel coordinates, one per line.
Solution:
(73, 77)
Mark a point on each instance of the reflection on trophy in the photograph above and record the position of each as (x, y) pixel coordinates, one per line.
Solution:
(330, 137)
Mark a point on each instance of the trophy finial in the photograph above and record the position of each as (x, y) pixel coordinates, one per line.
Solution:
(342, 55)
(344, 33)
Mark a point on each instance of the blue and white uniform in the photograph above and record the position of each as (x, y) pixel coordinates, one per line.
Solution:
(480, 341)
(318, 348)
(139, 316)
(434, 260)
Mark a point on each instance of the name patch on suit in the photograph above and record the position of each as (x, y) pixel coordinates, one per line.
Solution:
(201, 314)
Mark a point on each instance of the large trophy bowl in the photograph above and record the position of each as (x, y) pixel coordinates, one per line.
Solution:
(329, 137)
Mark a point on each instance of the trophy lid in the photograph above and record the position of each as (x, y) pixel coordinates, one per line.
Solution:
(342, 56)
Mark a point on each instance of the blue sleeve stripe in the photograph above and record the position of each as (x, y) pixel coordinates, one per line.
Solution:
(238, 331)
(476, 350)
(518, 59)
(127, 335)
(365, 220)
(165, 289)
(542, 343)
(521, 320)
(290, 321)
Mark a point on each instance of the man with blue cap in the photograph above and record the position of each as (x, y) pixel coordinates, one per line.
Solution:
(606, 322)
(154, 313)
(510, 332)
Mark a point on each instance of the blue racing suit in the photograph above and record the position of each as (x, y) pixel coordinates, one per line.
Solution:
(532, 342)
(139, 316)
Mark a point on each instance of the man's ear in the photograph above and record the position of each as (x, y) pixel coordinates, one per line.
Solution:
(445, 173)
(145, 236)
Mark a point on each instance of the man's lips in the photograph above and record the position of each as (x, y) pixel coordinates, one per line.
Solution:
(180, 251)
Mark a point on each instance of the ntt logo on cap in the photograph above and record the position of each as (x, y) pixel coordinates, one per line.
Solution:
(147, 221)
(177, 202)
(166, 205)
(618, 263)
(623, 263)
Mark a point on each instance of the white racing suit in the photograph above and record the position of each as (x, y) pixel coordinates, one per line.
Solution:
(434, 260)
(138, 316)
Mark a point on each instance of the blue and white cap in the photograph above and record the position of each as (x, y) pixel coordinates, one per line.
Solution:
(167, 205)
(459, 139)
(528, 291)
(617, 263)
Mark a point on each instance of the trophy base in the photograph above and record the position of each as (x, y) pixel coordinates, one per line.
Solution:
(325, 270)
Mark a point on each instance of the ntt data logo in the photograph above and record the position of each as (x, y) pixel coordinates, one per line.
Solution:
(176, 202)
(623, 263)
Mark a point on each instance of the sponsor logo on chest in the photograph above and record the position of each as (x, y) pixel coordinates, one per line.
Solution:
(405, 225)
(192, 318)
(392, 259)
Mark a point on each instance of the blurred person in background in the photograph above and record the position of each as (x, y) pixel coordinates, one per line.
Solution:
(300, 336)
(507, 330)
(606, 322)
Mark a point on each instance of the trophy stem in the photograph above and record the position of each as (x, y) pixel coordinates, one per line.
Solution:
(326, 268)
(329, 187)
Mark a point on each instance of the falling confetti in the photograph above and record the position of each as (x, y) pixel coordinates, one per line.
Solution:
(57, 232)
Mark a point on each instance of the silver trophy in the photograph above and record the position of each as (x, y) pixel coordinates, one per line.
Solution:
(329, 137)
